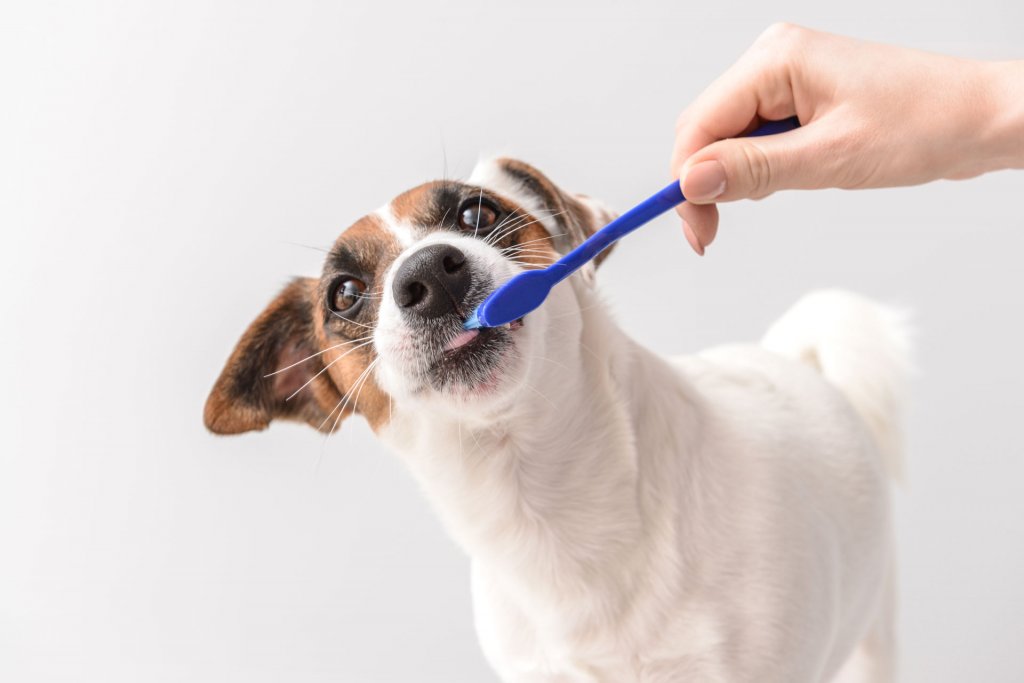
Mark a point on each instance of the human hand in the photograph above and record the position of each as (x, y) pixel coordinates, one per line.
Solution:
(871, 116)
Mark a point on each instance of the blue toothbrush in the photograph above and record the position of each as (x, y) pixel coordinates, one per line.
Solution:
(527, 290)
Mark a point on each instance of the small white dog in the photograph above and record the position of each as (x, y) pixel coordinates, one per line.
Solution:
(718, 517)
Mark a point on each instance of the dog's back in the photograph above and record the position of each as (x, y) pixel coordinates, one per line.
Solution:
(861, 348)
(799, 467)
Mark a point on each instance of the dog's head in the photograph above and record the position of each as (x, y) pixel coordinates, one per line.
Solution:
(382, 326)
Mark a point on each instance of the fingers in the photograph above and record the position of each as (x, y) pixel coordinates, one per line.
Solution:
(745, 168)
(724, 110)
(700, 224)
(713, 164)
(749, 168)
(758, 86)
(755, 87)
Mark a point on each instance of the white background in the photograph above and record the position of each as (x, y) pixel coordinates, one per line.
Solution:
(160, 164)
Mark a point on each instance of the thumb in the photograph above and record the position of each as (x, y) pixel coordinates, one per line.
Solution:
(751, 168)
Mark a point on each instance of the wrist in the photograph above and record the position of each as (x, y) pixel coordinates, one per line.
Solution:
(1003, 140)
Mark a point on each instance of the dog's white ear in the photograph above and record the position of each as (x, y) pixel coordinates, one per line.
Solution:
(255, 388)
(574, 217)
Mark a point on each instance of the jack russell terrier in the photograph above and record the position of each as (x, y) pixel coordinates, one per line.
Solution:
(716, 517)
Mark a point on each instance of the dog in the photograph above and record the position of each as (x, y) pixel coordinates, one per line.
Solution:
(716, 517)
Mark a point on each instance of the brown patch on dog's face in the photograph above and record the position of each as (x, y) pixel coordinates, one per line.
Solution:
(362, 253)
(267, 367)
(570, 212)
(455, 206)
(303, 360)
(419, 205)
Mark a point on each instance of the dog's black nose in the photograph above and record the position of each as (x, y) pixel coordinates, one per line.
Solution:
(433, 281)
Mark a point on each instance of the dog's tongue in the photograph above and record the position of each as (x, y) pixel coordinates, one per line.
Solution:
(461, 339)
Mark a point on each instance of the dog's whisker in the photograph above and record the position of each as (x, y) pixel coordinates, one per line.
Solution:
(353, 392)
(496, 235)
(523, 247)
(590, 351)
(331, 414)
(527, 265)
(344, 399)
(318, 353)
(516, 215)
(539, 239)
(479, 448)
(512, 218)
(326, 367)
(528, 255)
(441, 222)
(355, 401)
(578, 310)
(503, 221)
(479, 207)
(522, 252)
(524, 226)
(526, 250)
(551, 360)
(342, 403)
(536, 391)
(349, 320)
(539, 262)
(358, 388)
(306, 246)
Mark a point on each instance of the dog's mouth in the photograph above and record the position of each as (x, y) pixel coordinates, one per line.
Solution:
(474, 358)
(467, 339)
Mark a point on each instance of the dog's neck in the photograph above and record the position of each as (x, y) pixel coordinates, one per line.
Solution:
(560, 493)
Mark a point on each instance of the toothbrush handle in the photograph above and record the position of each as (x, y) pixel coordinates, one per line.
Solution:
(667, 198)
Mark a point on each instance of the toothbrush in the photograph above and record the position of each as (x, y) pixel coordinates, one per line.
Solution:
(527, 290)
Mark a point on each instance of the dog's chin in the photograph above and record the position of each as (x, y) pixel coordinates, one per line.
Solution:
(476, 364)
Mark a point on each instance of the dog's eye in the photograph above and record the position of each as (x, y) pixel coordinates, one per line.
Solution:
(478, 216)
(348, 293)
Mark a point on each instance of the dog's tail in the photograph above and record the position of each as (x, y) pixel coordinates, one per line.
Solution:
(860, 347)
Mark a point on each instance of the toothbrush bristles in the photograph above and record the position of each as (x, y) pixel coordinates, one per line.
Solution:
(473, 322)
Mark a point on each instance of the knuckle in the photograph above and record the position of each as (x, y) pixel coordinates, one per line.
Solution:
(689, 120)
(681, 122)
(780, 30)
(758, 169)
(782, 37)
(851, 157)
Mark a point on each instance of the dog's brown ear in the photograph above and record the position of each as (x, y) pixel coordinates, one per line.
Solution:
(577, 215)
(275, 357)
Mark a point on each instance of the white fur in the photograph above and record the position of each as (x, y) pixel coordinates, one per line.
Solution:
(717, 517)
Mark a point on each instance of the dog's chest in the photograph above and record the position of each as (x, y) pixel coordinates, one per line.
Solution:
(527, 639)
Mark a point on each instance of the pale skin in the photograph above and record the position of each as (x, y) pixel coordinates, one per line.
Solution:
(871, 115)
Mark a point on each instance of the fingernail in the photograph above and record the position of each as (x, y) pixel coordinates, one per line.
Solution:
(691, 237)
(704, 181)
